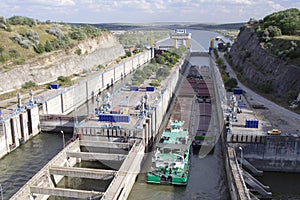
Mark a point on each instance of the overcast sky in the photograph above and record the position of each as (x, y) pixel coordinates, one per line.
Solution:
(144, 11)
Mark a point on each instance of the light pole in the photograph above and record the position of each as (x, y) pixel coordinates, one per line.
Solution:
(63, 135)
(240, 148)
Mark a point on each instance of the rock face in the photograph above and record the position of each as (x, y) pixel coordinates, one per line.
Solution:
(260, 67)
(63, 63)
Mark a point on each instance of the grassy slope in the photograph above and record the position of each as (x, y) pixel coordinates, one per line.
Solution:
(25, 54)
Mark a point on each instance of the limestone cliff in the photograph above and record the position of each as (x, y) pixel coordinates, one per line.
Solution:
(63, 63)
(260, 67)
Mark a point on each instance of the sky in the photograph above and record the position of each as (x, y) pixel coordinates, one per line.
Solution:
(144, 11)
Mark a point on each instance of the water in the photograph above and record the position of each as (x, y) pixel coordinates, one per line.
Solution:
(84, 184)
(207, 178)
(20, 165)
(283, 185)
(206, 181)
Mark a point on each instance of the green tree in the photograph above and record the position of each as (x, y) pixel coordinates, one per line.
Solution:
(231, 83)
(160, 59)
(287, 20)
(219, 61)
(162, 72)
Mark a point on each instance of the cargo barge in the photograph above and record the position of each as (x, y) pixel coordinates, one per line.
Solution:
(200, 83)
(170, 163)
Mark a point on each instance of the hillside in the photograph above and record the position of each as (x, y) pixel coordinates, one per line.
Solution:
(22, 38)
(38, 53)
(266, 55)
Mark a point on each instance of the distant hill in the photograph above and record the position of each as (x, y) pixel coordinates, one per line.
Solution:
(230, 26)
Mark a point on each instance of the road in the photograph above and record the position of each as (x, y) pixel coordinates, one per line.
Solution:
(279, 117)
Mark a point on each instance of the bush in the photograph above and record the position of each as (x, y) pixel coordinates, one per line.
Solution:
(155, 83)
(64, 79)
(39, 48)
(219, 61)
(4, 58)
(18, 20)
(28, 85)
(56, 31)
(231, 83)
(33, 36)
(26, 43)
(13, 53)
(265, 87)
(77, 34)
(128, 53)
(162, 72)
(17, 38)
(78, 52)
(48, 46)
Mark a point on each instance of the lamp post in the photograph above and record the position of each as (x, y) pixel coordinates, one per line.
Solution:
(240, 148)
(63, 135)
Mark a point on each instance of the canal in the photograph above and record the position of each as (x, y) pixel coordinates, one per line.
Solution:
(207, 177)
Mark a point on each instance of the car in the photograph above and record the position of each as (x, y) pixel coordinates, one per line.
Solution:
(274, 132)
(120, 139)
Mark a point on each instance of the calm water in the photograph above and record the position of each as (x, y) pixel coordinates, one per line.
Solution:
(20, 165)
(283, 185)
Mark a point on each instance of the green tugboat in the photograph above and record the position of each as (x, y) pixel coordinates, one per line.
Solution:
(170, 162)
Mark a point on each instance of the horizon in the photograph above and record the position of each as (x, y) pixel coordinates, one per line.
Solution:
(144, 11)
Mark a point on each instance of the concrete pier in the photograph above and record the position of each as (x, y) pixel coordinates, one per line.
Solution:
(63, 192)
(83, 172)
(96, 156)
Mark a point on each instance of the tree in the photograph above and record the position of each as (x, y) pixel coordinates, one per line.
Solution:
(162, 72)
(287, 20)
(219, 61)
(231, 83)
(160, 59)
(274, 31)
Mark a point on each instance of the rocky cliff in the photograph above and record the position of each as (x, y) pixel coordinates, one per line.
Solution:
(63, 63)
(258, 66)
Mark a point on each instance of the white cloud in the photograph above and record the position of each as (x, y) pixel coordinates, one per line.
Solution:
(97, 11)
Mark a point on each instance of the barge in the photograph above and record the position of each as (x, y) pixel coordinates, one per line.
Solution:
(171, 159)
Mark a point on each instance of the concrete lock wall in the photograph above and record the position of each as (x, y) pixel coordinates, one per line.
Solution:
(276, 153)
(150, 129)
(65, 101)
(17, 129)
